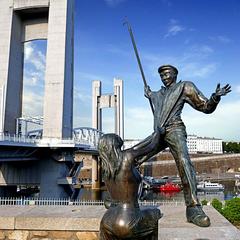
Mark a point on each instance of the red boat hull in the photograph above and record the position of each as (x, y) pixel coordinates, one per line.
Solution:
(169, 187)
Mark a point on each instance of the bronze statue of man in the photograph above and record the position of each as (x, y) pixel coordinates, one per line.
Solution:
(168, 103)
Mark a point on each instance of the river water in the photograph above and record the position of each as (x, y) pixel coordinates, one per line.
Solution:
(229, 192)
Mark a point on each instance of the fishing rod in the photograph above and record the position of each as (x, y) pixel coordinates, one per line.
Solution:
(138, 59)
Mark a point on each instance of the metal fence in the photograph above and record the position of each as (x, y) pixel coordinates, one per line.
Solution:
(69, 202)
(82, 136)
(46, 202)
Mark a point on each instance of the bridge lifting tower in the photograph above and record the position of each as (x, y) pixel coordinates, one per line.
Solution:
(100, 101)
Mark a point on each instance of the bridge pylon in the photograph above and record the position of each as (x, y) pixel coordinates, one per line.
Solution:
(100, 101)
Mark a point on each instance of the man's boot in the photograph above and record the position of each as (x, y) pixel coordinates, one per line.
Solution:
(196, 215)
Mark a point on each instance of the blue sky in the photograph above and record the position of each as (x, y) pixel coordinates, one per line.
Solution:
(201, 38)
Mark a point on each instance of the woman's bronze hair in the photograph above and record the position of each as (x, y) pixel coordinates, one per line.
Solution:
(109, 147)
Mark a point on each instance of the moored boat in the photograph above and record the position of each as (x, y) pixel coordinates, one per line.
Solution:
(168, 187)
(209, 186)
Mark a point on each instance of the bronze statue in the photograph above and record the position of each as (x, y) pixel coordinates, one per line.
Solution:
(168, 103)
(124, 219)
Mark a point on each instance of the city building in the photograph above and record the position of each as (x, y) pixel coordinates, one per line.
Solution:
(195, 144)
(204, 144)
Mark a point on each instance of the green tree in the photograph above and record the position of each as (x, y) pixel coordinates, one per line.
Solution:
(231, 147)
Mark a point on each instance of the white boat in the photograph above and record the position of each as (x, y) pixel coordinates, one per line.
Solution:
(209, 186)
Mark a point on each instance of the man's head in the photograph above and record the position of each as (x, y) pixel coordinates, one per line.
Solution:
(168, 74)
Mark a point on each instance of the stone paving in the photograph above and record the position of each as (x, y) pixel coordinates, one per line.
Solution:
(172, 226)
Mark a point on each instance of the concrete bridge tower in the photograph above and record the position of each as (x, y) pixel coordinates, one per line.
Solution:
(100, 101)
(26, 20)
(22, 21)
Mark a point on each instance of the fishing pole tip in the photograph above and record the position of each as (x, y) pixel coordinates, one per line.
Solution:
(125, 20)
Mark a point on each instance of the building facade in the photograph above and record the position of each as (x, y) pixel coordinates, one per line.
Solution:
(204, 145)
(195, 144)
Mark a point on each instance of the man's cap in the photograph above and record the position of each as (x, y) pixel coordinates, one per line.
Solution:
(167, 67)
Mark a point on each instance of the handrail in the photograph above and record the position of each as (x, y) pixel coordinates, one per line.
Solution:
(67, 201)
(82, 136)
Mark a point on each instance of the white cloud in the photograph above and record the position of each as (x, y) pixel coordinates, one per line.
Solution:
(117, 50)
(192, 64)
(221, 39)
(174, 28)
(39, 61)
(33, 104)
(205, 49)
(80, 121)
(32, 78)
(195, 69)
(35, 63)
(34, 74)
(28, 50)
(167, 2)
(78, 95)
(138, 122)
(113, 3)
(197, 52)
(89, 76)
(34, 57)
(237, 89)
(223, 123)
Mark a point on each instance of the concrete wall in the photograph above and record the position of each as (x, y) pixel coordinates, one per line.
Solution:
(210, 164)
(47, 235)
(25, 4)
(35, 29)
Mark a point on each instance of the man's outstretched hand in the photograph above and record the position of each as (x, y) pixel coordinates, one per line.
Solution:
(222, 91)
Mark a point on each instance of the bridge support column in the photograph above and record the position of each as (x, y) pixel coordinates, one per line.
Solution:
(51, 171)
(96, 173)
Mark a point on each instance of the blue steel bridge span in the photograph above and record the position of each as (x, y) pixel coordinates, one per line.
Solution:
(32, 160)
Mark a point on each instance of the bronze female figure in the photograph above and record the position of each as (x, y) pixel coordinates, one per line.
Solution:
(124, 219)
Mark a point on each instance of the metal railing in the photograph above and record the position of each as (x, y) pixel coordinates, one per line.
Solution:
(69, 202)
(82, 136)
(90, 135)
(161, 203)
(47, 202)
(15, 138)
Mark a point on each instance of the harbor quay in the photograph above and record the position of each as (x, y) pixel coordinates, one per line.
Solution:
(213, 164)
(82, 223)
